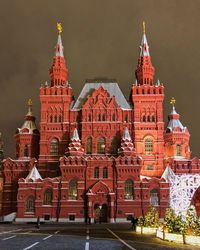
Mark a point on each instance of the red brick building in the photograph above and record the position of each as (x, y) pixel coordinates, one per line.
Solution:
(98, 156)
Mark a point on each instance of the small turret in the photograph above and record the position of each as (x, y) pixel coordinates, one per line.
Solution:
(127, 147)
(176, 136)
(27, 137)
(75, 148)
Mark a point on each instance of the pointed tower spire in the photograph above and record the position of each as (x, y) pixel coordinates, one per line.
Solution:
(75, 148)
(144, 47)
(58, 72)
(127, 147)
(145, 70)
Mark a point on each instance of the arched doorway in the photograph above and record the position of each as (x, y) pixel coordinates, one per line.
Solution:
(104, 213)
(100, 213)
(196, 201)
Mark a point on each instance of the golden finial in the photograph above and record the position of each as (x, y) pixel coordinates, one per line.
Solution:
(172, 101)
(30, 103)
(59, 27)
(144, 28)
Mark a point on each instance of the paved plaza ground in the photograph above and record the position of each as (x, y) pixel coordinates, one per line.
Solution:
(79, 236)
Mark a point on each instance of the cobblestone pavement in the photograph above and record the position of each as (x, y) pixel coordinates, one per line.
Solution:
(79, 236)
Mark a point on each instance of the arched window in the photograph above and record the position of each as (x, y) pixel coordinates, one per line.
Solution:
(48, 195)
(153, 118)
(50, 119)
(113, 117)
(105, 172)
(96, 172)
(126, 118)
(178, 150)
(89, 118)
(128, 190)
(144, 118)
(99, 117)
(30, 204)
(148, 118)
(72, 190)
(148, 146)
(101, 146)
(154, 197)
(54, 146)
(55, 118)
(103, 117)
(26, 153)
(89, 146)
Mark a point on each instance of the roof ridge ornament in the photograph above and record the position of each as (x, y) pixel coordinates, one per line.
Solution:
(59, 28)
(173, 101)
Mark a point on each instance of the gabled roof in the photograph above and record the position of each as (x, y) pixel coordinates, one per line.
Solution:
(33, 175)
(112, 88)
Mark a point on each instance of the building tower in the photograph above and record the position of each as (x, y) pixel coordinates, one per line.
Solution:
(27, 137)
(176, 137)
(147, 98)
(55, 99)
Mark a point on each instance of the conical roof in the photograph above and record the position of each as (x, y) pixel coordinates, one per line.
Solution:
(75, 136)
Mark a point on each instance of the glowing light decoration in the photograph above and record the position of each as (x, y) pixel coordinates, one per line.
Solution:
(182, 189)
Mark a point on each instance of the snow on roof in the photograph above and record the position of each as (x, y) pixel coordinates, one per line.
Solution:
(112, 88)
(33, 175)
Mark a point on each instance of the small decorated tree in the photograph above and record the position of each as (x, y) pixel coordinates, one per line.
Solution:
(191, 220)
(169, 220)
(151, 219)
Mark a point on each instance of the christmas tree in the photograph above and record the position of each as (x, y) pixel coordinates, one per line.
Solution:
(151, 219)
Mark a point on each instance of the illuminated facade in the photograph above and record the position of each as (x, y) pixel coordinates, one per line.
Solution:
(98, 156)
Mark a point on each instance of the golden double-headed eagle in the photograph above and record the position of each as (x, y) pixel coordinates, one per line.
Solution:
(59, 28)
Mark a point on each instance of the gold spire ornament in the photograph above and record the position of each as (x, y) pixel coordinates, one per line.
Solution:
(59, 27)
(30, 104)
(172, 101)
(144, 27)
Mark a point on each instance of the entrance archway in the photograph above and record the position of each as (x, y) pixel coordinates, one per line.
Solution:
(196, 201)
(104, 213)
(100, 213)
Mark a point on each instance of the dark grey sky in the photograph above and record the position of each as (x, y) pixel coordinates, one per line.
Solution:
(101, 39)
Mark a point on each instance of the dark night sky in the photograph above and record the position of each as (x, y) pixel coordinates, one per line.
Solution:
(101, 39)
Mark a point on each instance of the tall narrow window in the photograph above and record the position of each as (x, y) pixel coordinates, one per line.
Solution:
(73, 190)
(178, 150)
(96, 172)
(55, 118)
(89, 118)
(48, 195)
(89, 146)
(50, 119)
(128, 190)
(113, 117)
(103, 117)
(148, 118)
(154, 197)
(153, 118)
(30, 204)
(99, 117)
(26, 153)
(148, 146)
(60, 118)
(105, 172)
(144, 118)
(54, 147)
(101, 146)
(126, 118)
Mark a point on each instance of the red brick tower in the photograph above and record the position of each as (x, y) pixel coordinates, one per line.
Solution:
(55, 99)
(147, 99)
(27, 137)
